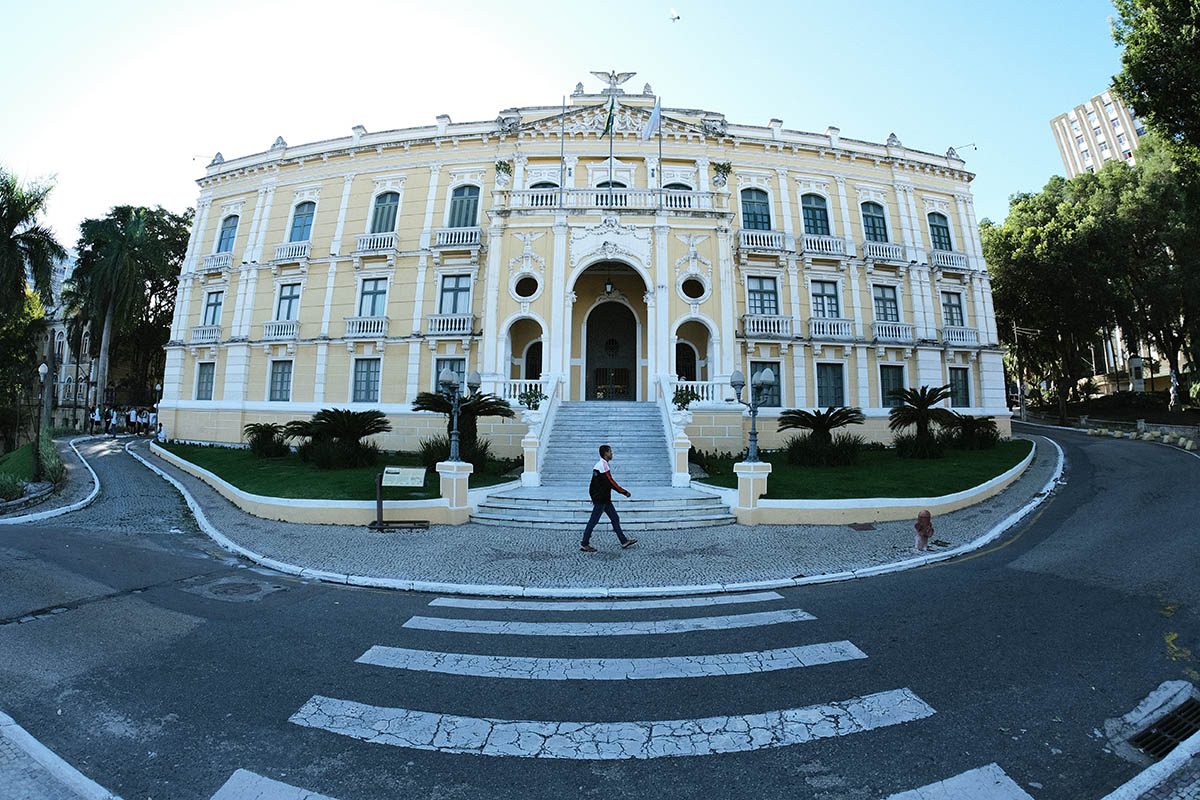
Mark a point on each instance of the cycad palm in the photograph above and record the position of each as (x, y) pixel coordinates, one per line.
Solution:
(483, 404)
(821, 423)
(346, 426)
(26, 248)
(919, 408)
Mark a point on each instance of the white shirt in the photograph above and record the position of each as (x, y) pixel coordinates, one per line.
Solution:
(602, 466)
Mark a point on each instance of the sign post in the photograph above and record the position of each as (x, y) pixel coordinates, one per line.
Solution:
(396, 476)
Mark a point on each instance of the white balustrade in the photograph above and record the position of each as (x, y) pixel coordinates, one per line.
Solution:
(707, 391)
(217, 261)
(760, 240)
(892, 331)
(449, 324)
(773, 325)
(948, 258)
(366, 327)
(818, 245)
(603, 198)
(376, 242)
(292, 251)
(457, 237)
(511, 390)
(281, 329)
(830, 328)
(960, 335)
(883, 251)
(206, 334)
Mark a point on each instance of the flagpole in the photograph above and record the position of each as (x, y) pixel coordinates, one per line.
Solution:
(562, 154)
(658, 102)
(612, 131)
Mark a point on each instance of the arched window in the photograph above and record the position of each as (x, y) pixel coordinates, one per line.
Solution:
(756, 210)
(86, 348)
(533, 362)
(302, 220)
(611, 198)
(464, 207)
(675, 197)
(383, 218)
(816, 214)
(939, 231)
(69, 394)
(60, 341)
(874, 222)
(685, 361)
(229, 227)
(545, 193)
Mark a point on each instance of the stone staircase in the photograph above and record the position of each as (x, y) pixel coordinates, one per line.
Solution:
(641, 464)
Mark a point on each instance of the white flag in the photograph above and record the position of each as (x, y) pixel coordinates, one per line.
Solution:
(655, 122)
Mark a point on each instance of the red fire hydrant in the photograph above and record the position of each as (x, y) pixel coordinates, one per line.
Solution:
(924, 528)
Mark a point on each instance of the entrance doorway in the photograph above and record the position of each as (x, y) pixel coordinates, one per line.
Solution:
(611, 357)
(533, 362)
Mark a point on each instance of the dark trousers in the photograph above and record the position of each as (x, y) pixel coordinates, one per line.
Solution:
(598, 509)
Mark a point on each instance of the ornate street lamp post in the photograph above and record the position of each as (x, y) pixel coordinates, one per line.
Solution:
(453, 390)
(760, 383)
(37, 423)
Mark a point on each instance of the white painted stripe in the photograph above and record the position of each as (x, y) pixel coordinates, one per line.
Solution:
(423, 730)
(611, 669)
(79, 785)
(605, 605)
(985, 783)
(246, 785)
(642, 628)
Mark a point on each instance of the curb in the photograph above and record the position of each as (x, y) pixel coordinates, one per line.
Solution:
(1192, 453)
(1155, 774)
(599, 592)
(56, 512)
(81, 785)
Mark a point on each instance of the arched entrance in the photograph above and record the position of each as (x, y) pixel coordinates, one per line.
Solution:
(531, 365)
(611, 353)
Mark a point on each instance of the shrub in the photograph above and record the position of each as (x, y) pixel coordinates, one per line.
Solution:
(11, 487)
(973, 433)
(919, 409)
(715, 463)
(909, 445)
(266, 439)
(821, 423)
(53, 469)
(531, 398)
(334, 437)
(684, 396)
(807, 450)
(437, 448)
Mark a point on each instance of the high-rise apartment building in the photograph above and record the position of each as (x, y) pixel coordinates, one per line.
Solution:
(1100, 130)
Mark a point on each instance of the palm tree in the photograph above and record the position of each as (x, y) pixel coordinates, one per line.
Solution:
(821, 423)
(26, 248)
(349, 427)
(919, 408)
(470, 409)
(975, 433)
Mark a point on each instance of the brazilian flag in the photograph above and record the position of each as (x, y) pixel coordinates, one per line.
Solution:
(608, 125)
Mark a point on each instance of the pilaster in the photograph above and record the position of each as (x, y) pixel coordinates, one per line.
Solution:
(491, 336)
(558, 337)
(847, 230)
(330, 281)
(321, 365)
(335, 247)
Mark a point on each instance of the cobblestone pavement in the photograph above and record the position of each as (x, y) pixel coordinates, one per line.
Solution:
(1184, 784)
(531, 557)
(76, 486)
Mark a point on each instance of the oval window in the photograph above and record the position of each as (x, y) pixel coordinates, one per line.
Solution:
(526, 287)
(693, 288)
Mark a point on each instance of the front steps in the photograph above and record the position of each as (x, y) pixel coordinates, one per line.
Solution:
(652, 508)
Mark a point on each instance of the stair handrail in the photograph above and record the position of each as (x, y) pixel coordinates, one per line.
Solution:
(675, 427)
(553, 400)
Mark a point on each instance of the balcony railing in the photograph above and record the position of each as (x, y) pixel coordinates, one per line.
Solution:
(772, 241)
(604, 198)
(511, 390)
(960, 335)
(375, 242)
(281, 329)
(366, 327)
(883, 251)
(217, 261)
(892, 332)
(456, 237)
(774, 326)
(818, 245)
(449, 324)
(708, 391)
(292, 251)
(948, 258)
(206, 334)
(830, 328)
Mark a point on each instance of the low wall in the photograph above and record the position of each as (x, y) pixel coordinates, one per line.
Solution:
(322, 512)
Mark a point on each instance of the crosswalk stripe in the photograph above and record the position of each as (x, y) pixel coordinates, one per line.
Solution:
(611, 669)
(605, 605)
(247, 785)
(423, 730)
(623, 628)
(984, 783)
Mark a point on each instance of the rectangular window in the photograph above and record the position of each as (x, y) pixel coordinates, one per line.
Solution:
(212, 307)
(281, 381)
(1120, 138)
(205, 373)
(288, 307)
(456, 295)
(1078, 140)
(366, 380)
(1116, 123)
(1103, 148)
(456, 365)
(772, 396)
(887, 307)
(891, 380)
(831, 386)
(960, 387)
(952, 309)
(1086, 155)
(825, 300)
(1096, 132)
(763, 296)
(1075, 126)
(372, 301)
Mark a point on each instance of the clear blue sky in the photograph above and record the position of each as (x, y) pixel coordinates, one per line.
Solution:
(125, 101)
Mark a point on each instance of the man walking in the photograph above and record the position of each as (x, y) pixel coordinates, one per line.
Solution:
(600, 490)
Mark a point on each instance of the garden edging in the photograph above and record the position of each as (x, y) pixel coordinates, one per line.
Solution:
(55, 512)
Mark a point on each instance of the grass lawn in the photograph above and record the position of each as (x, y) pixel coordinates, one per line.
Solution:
(291, 477)
(880, 473)
(19, 462)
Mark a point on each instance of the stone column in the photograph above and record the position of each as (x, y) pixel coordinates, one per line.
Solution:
(752, 484)
(557, 340)
(455, 476)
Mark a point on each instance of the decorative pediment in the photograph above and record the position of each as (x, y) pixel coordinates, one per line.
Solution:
(692, 261)
(390, 183)
(543, 174)
(813, 183)
(621, 172)
(936, 204)
(868, 192)
(467, 175)
(591, 120)
(684, 175)
(527, 260)
(611, 239)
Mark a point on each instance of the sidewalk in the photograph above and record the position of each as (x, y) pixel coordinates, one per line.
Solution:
(477, 559)
(75, 492)
(29, 771)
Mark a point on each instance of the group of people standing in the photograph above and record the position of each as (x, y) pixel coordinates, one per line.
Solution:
(137, 421)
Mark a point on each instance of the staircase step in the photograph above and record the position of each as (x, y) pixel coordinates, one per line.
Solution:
(604, 526)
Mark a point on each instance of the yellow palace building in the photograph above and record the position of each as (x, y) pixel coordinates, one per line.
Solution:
(350, 272)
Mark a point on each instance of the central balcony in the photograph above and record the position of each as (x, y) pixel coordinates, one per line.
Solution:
(449, 324)
(818, 245)
(461, 238)
(892, 332)
(761, 241)
(960, 335)
(948, 259)
(366, 327)
(292, 251)
(642, 200)
(281, 329)
(830, 328)
(375, 243)
(883, 251)
(206, 334)
(766, 326)
(216, 261)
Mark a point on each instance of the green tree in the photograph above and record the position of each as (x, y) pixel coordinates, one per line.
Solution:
(821, 423)
(27, 249)
(919, 409)
(19, 336)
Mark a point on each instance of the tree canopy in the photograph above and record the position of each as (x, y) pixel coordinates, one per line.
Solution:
(28, 249)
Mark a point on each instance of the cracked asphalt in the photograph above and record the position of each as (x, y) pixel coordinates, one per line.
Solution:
(159, 666)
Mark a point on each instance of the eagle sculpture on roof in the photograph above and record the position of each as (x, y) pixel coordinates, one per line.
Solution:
(614, 79)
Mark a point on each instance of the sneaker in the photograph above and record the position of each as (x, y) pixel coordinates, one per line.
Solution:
(628, 543)
(587, 548)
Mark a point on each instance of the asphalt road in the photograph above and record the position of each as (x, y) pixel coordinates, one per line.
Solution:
(174, 665)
